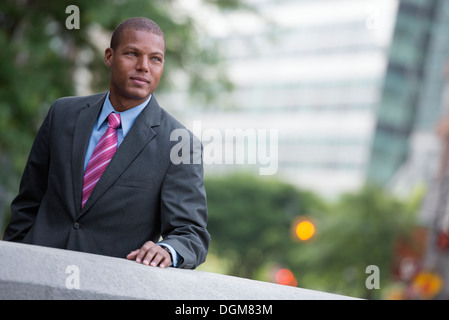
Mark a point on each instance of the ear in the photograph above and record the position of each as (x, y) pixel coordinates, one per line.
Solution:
(108, 57)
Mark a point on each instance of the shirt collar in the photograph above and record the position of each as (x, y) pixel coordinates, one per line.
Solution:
(127, 117)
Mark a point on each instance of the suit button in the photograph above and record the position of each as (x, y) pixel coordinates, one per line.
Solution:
(76, 226)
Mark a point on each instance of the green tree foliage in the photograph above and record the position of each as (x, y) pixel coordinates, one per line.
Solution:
(360, 230)
(250, 220)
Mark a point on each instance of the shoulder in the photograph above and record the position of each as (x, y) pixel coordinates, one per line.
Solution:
(67, 108)
(174, 127)
(170, 121)
(166, 120)
(81, 102)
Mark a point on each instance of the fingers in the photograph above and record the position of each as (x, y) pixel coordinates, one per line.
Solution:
(147, 253)
(132, 255)
(151, 254)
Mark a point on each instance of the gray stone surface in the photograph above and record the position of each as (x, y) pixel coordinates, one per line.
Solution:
(34, 272)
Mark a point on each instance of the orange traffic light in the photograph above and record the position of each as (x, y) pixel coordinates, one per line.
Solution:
(303, 229)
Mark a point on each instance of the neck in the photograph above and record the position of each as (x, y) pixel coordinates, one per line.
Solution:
(121, 103)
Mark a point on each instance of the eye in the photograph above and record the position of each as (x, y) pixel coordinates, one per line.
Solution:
(157, 59)
(130, 53)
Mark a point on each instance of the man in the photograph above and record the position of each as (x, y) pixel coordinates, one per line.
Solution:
(99, 177)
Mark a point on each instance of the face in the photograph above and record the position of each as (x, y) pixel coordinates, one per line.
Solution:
(136, 67)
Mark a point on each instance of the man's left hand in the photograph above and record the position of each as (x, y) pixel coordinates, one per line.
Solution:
(151, 254)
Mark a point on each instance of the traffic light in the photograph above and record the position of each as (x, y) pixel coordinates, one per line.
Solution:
(303, 228)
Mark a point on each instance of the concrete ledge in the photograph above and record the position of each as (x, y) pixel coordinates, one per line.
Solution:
(34, 272)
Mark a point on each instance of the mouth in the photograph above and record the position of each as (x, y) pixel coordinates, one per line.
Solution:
(139, 80)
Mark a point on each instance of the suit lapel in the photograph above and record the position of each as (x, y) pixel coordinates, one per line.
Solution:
(137, 138)
(83, 130)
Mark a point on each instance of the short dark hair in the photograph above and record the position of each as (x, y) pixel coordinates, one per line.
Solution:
(135, 23)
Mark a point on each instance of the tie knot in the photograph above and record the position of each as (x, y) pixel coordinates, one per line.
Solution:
(114, 120)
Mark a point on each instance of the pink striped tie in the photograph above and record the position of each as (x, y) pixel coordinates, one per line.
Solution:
(102, 155)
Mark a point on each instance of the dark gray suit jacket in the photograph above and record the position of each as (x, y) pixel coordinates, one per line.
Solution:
(141, 196)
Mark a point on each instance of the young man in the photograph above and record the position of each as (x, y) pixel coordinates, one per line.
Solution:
(99, 177)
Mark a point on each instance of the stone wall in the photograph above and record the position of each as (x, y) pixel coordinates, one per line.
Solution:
(34, 272)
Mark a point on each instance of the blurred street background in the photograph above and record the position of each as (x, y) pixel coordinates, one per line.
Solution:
(346, 100)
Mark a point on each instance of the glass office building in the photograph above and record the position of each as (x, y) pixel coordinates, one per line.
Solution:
(311, 70)
(405, 148)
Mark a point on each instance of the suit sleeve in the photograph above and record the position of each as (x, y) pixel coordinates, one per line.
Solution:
(184, 209)
(33, 186)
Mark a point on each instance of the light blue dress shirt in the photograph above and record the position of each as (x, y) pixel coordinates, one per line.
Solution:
(127, 119)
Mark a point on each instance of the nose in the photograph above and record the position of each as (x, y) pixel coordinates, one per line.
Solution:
(142, 64)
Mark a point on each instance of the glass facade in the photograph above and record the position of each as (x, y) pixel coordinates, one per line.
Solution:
(412, 99)
(313, 71)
